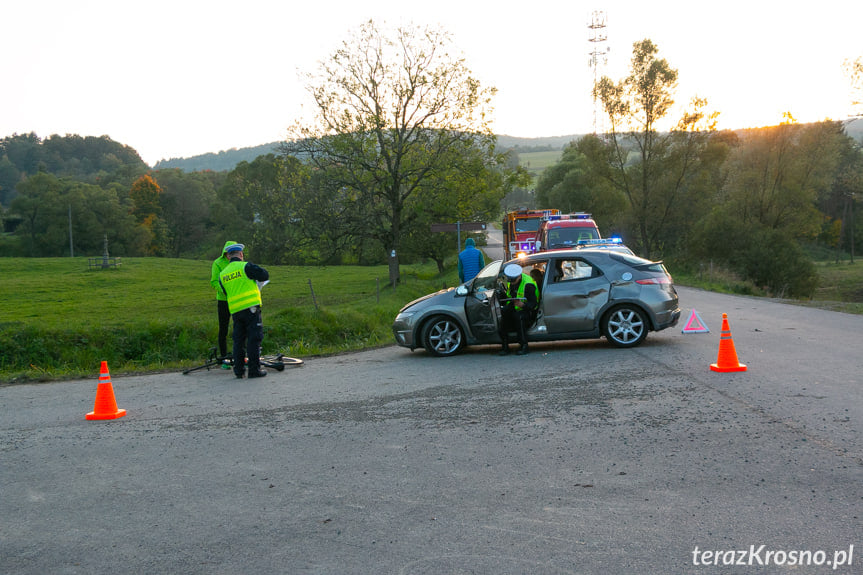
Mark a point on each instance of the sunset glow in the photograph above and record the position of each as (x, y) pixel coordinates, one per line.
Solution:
(215, 76)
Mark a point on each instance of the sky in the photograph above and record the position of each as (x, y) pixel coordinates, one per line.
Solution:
(180, 78)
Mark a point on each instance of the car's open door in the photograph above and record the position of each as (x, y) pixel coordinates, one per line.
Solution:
(481, 306)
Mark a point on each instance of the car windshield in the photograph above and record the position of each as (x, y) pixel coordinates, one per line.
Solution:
(486, 279)
(527, 224)
(564, 237)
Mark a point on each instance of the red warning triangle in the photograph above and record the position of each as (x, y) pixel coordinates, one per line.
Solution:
(694, 324)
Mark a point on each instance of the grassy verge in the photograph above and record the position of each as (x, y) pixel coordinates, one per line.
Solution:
(60, 319)
(840, 285)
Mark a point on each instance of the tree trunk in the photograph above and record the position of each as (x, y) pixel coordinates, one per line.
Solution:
(394, 268)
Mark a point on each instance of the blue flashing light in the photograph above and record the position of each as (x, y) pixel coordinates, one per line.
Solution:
(600, 242)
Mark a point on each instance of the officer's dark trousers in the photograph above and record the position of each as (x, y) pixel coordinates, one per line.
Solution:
(224, 322)
(248, 335)
(517, 321)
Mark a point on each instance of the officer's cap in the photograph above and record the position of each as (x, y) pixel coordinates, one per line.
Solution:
(512, 271)
(235, 248)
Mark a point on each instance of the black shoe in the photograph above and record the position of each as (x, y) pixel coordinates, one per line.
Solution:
(261, 373)
(522, 350)
(504, 351)
(239, 375)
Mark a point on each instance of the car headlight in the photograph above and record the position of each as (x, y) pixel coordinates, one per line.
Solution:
(405, 315)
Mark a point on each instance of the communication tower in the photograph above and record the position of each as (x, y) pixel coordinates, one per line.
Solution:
(598, 59)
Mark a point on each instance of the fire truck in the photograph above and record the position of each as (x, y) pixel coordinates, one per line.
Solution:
(566, 231)
(519, 231)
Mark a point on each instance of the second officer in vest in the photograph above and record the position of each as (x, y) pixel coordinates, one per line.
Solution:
(239, 282)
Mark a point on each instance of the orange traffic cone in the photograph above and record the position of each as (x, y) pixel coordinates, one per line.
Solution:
(105, 406)
(727, 359)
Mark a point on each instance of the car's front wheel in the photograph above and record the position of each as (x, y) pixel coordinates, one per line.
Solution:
(442, 336)
(625, 326)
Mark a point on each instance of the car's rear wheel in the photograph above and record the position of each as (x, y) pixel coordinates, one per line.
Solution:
(625, 326)
(442, 336)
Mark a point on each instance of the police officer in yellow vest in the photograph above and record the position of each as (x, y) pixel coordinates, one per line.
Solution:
(519, 306)
(239, 282)
(224, 313)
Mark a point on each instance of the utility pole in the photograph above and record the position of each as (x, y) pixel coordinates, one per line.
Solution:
(71, 246)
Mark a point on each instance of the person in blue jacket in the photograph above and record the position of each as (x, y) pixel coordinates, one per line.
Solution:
(470, 261)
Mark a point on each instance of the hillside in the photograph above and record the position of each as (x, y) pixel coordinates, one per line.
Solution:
(226, 160)
(223, 161)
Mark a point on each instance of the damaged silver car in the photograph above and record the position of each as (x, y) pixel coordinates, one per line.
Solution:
(583, 294)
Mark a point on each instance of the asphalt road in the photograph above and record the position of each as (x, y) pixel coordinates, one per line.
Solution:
(577, 458)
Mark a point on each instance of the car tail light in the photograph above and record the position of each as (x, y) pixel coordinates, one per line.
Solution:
(661, 280)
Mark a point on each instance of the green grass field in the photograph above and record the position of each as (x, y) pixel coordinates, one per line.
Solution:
(536, 162)
(62, 319)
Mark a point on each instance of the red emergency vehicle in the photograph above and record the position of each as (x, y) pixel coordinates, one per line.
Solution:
(566, 231)
(519, 231)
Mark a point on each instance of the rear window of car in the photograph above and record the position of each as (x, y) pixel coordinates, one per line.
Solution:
(638, 262)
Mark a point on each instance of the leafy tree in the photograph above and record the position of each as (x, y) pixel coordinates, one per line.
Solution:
(767, 205)
(98, 213)
(24, 151)
(80, 156)
(37, 203)
(90, 159)
(9, 177)
(838, 202)
(146, 196)
(770, 258)
(48, 206)
(468, 190)
(185, 201)
(655, 171)
(258, 205)
(389, 109)
(776, 175)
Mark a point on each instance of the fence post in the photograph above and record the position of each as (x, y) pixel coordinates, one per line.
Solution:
(314, 300)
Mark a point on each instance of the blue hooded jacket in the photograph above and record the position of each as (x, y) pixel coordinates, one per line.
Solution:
(470, 261)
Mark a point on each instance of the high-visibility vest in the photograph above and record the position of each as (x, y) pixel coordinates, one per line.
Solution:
(242, 291)
(525, 279)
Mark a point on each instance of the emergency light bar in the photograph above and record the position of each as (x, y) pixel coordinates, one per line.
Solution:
(600, 242)
(575, 216)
